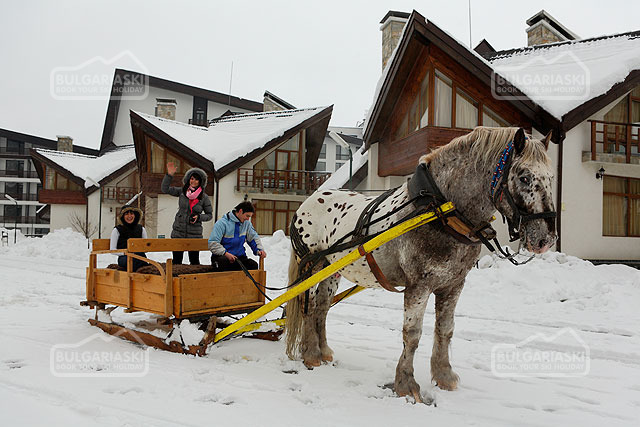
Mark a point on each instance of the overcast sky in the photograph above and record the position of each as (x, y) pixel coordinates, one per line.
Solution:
(310, 53)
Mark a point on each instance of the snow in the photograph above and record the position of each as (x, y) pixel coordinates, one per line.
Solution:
(95, 168)
(340, 178)
(244, 381)
(563, 76)
(231, 137)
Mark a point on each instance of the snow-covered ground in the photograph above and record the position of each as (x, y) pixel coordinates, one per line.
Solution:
(252, 382)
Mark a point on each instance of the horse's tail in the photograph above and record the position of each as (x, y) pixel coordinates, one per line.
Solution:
(293, 326)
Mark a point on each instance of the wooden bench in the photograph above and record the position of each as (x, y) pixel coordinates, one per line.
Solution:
(187, 295)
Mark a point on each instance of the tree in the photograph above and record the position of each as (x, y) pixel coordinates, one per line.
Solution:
(82, 225)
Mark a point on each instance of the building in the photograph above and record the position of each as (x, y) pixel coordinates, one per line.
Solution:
(19, 180)
(434, 88)
(268, 158)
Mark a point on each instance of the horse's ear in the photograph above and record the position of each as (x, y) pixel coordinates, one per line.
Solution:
(547, 139)
(519, 140)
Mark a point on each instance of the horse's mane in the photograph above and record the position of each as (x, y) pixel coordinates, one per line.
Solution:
(488, 143)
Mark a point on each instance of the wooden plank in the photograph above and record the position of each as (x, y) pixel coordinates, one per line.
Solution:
(168, 297)
(100, 244)
(222, 310)
(91, 278)
(166, 245)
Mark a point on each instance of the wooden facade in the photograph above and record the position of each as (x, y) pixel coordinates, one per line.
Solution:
(399, 151)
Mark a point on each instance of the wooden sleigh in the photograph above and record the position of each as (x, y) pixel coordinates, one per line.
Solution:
(199, 297)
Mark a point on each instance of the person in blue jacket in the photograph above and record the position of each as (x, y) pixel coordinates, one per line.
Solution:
(228, 237)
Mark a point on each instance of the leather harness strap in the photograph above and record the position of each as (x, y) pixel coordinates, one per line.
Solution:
(375, 269)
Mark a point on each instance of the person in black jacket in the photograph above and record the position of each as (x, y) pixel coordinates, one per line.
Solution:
(128, 227)
(194, 208)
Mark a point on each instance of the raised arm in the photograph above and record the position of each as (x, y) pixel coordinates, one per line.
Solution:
(166, 181)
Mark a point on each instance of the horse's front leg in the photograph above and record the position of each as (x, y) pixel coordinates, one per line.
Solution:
(415, 302)
(441, 372)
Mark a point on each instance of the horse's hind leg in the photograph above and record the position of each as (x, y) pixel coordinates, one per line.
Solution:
(415, 302)
(326, 292)
(441, 371)
(314, 342)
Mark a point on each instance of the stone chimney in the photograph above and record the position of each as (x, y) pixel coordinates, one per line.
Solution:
(271, 102)
(65, 143)
(391, 27)
(166, 108)
(544, 28)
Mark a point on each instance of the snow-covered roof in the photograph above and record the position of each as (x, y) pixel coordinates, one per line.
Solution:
(229, 138)
(87, 167)
(562, 76)
(340, 178)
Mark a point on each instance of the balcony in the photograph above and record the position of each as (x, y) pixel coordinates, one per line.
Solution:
(20, 197)
(10, 220)
(18, 173)
(118, 194)
(11, 151)
(279, 181)
(614, 142)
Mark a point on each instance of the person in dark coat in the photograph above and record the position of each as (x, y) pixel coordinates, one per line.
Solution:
(128, 227)
(194, 208)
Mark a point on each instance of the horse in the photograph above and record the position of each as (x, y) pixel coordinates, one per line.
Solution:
(427, 260)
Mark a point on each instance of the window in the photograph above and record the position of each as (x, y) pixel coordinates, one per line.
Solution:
(161, 156)
(443, 102)
(272, 215)
(157, 158)
(466, 111)
(339, 165)
(323, 152)
(15, 167)
(621, 207)
(12, 211)
(321, 167)
(14, 189)
(491, 119)
(14, 146)
(285, 157)
(341, 153)
(418, 115)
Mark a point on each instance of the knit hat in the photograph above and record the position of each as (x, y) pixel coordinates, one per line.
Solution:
(137, 212)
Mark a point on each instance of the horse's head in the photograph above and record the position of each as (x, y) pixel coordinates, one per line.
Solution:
(524, 195)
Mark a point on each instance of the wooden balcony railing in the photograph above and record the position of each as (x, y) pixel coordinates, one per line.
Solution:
(118, 194)
(280, 181)
(615, 138)
(10, 220)
(18, 173)
(20, 197)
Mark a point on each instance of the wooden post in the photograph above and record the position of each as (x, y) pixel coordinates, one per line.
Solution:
(617, 137)
(91, 279)
(129, 282)
(261, 266)
(168, 294)
(627, 149)
(605, 138)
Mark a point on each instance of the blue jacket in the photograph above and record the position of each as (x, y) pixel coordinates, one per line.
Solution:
(229, 235)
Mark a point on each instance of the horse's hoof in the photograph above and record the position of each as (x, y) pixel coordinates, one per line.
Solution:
(310, 364)
(327, 358)
(447, 381)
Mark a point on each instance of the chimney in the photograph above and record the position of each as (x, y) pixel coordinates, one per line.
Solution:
(65, 143)
(391, 27)
(166, 108)
(544, 28)
(271, 102)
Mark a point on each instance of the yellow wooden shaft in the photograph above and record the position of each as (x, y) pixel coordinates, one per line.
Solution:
(333, 268)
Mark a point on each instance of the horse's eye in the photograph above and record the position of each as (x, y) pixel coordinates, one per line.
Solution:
(524, 180)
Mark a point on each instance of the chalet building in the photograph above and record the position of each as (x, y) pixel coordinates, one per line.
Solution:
(19, 180)
(75, 177)
(268, 158)
(85, 192)
(433, 88)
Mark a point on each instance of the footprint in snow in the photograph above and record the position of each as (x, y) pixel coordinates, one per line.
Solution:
(14, 363)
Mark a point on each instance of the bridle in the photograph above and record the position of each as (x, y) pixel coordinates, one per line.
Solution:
(500, 188)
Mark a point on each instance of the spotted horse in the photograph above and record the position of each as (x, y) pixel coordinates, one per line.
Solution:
(487, 170)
